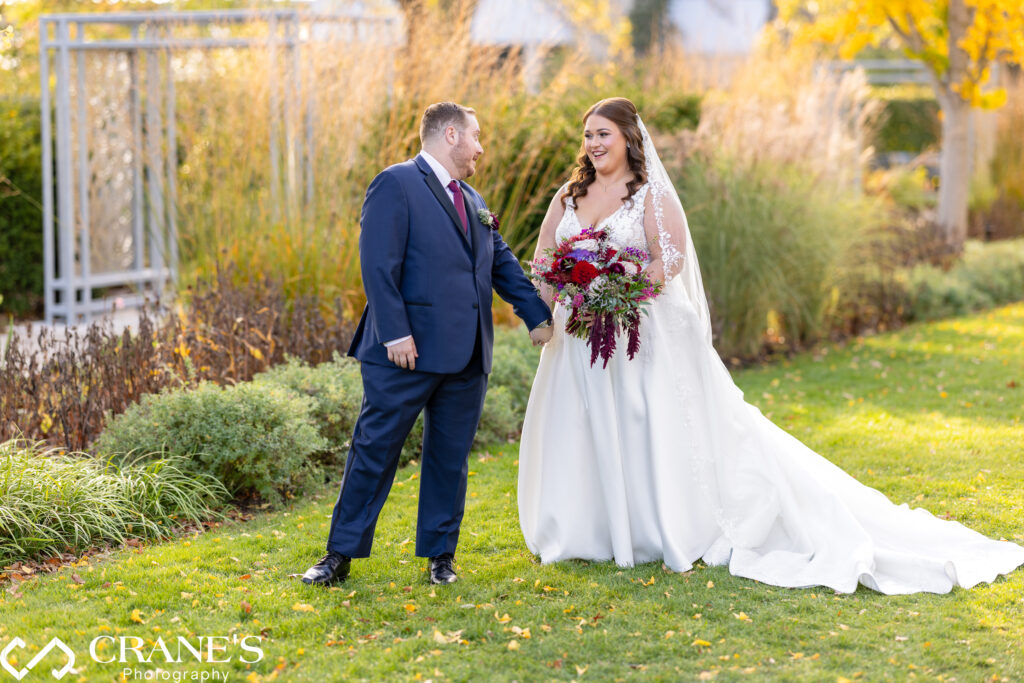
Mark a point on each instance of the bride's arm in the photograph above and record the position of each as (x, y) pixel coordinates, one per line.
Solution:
(665, 229)
(546, 240)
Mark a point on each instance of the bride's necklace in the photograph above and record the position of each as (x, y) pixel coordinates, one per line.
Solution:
(614, 183)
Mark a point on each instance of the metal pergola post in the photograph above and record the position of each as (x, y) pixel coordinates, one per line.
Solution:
(151, 160)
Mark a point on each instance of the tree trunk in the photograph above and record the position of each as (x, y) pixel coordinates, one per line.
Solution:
(954, 171)
(955, 162)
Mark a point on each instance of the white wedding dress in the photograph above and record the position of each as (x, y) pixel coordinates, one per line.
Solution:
(661, 458)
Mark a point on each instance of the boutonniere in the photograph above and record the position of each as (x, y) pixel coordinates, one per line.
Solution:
(489, 219)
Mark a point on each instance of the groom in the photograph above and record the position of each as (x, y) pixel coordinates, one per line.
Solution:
(429, 263)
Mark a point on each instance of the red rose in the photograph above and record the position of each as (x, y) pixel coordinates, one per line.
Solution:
(583, 273)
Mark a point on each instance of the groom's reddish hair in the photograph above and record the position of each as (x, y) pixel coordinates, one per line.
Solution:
(440, 115)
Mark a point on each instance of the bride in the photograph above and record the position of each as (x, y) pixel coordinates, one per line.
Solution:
(660, 457)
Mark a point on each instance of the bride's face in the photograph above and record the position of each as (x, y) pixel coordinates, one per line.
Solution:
(605, 144)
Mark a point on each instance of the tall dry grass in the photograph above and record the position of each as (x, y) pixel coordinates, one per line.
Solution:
(783, 129)
(771, 184)
(365, 102)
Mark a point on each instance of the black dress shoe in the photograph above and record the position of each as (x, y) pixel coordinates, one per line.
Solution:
(332, 568)
(441, 570)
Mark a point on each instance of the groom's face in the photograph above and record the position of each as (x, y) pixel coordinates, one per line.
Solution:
(467, 149)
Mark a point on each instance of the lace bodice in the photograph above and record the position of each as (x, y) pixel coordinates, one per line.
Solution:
(625, 225)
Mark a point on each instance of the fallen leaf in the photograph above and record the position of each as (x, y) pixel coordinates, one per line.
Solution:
(513, 645)
(137, 617)
(303, 607)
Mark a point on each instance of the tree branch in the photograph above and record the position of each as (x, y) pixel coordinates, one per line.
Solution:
(916, 42)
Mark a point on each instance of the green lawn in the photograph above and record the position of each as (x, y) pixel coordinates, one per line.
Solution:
(930, 415)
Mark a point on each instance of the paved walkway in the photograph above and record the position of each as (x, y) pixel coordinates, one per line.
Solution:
(119, 320)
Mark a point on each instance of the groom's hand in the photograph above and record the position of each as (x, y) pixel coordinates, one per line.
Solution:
(403, 354)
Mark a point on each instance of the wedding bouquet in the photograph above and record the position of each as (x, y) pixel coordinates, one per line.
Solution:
(605, 289)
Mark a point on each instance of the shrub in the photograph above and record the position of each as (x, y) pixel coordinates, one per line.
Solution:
(515, 364)
(21, 218)
(254, 438)
(989, 274)
(59, 387)
(52, 503)
(908, 125)
(335, 389)
(768, 237)
(336, 392)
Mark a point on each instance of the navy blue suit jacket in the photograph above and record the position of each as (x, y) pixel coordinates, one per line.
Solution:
(424, 276)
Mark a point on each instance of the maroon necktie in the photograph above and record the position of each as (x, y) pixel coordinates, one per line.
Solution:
(460, 205)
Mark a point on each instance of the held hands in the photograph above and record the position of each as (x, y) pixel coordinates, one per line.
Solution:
(403, 354)
(541, 335)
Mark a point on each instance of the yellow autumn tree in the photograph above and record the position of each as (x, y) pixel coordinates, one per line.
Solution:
(959, 41)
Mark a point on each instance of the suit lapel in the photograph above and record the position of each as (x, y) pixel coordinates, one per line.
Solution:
(479, 231)
(442, 196)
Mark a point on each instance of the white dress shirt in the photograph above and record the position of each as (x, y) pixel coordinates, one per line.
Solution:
(445, 177)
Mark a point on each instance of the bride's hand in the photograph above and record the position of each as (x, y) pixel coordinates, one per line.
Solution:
(656, 271)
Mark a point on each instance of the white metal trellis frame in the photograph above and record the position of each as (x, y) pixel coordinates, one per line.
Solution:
(139, 194)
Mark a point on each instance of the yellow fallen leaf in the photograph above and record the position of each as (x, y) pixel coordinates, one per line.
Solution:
(409, 607)
(711, 584)
(513, 645)
(503, 619)
(303, 607)
(742, 616)
(137, 617)
(580, 670)
(701, 643)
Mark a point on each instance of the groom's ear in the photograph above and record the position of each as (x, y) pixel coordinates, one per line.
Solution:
(451, 134)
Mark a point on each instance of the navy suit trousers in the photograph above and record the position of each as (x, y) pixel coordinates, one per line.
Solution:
(392, 399)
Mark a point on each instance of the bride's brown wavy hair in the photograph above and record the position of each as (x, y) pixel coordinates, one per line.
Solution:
(623, 114)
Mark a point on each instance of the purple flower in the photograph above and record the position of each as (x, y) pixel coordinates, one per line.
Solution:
(582, 255)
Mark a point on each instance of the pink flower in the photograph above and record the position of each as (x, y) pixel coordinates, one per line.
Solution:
(577, 301)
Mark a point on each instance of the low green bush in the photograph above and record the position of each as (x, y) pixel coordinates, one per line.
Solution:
(53, 503)
(989, 274)
(336, 393)
(908, 125)
(255, 438)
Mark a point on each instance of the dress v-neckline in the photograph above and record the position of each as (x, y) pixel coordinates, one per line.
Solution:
(600, 222)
